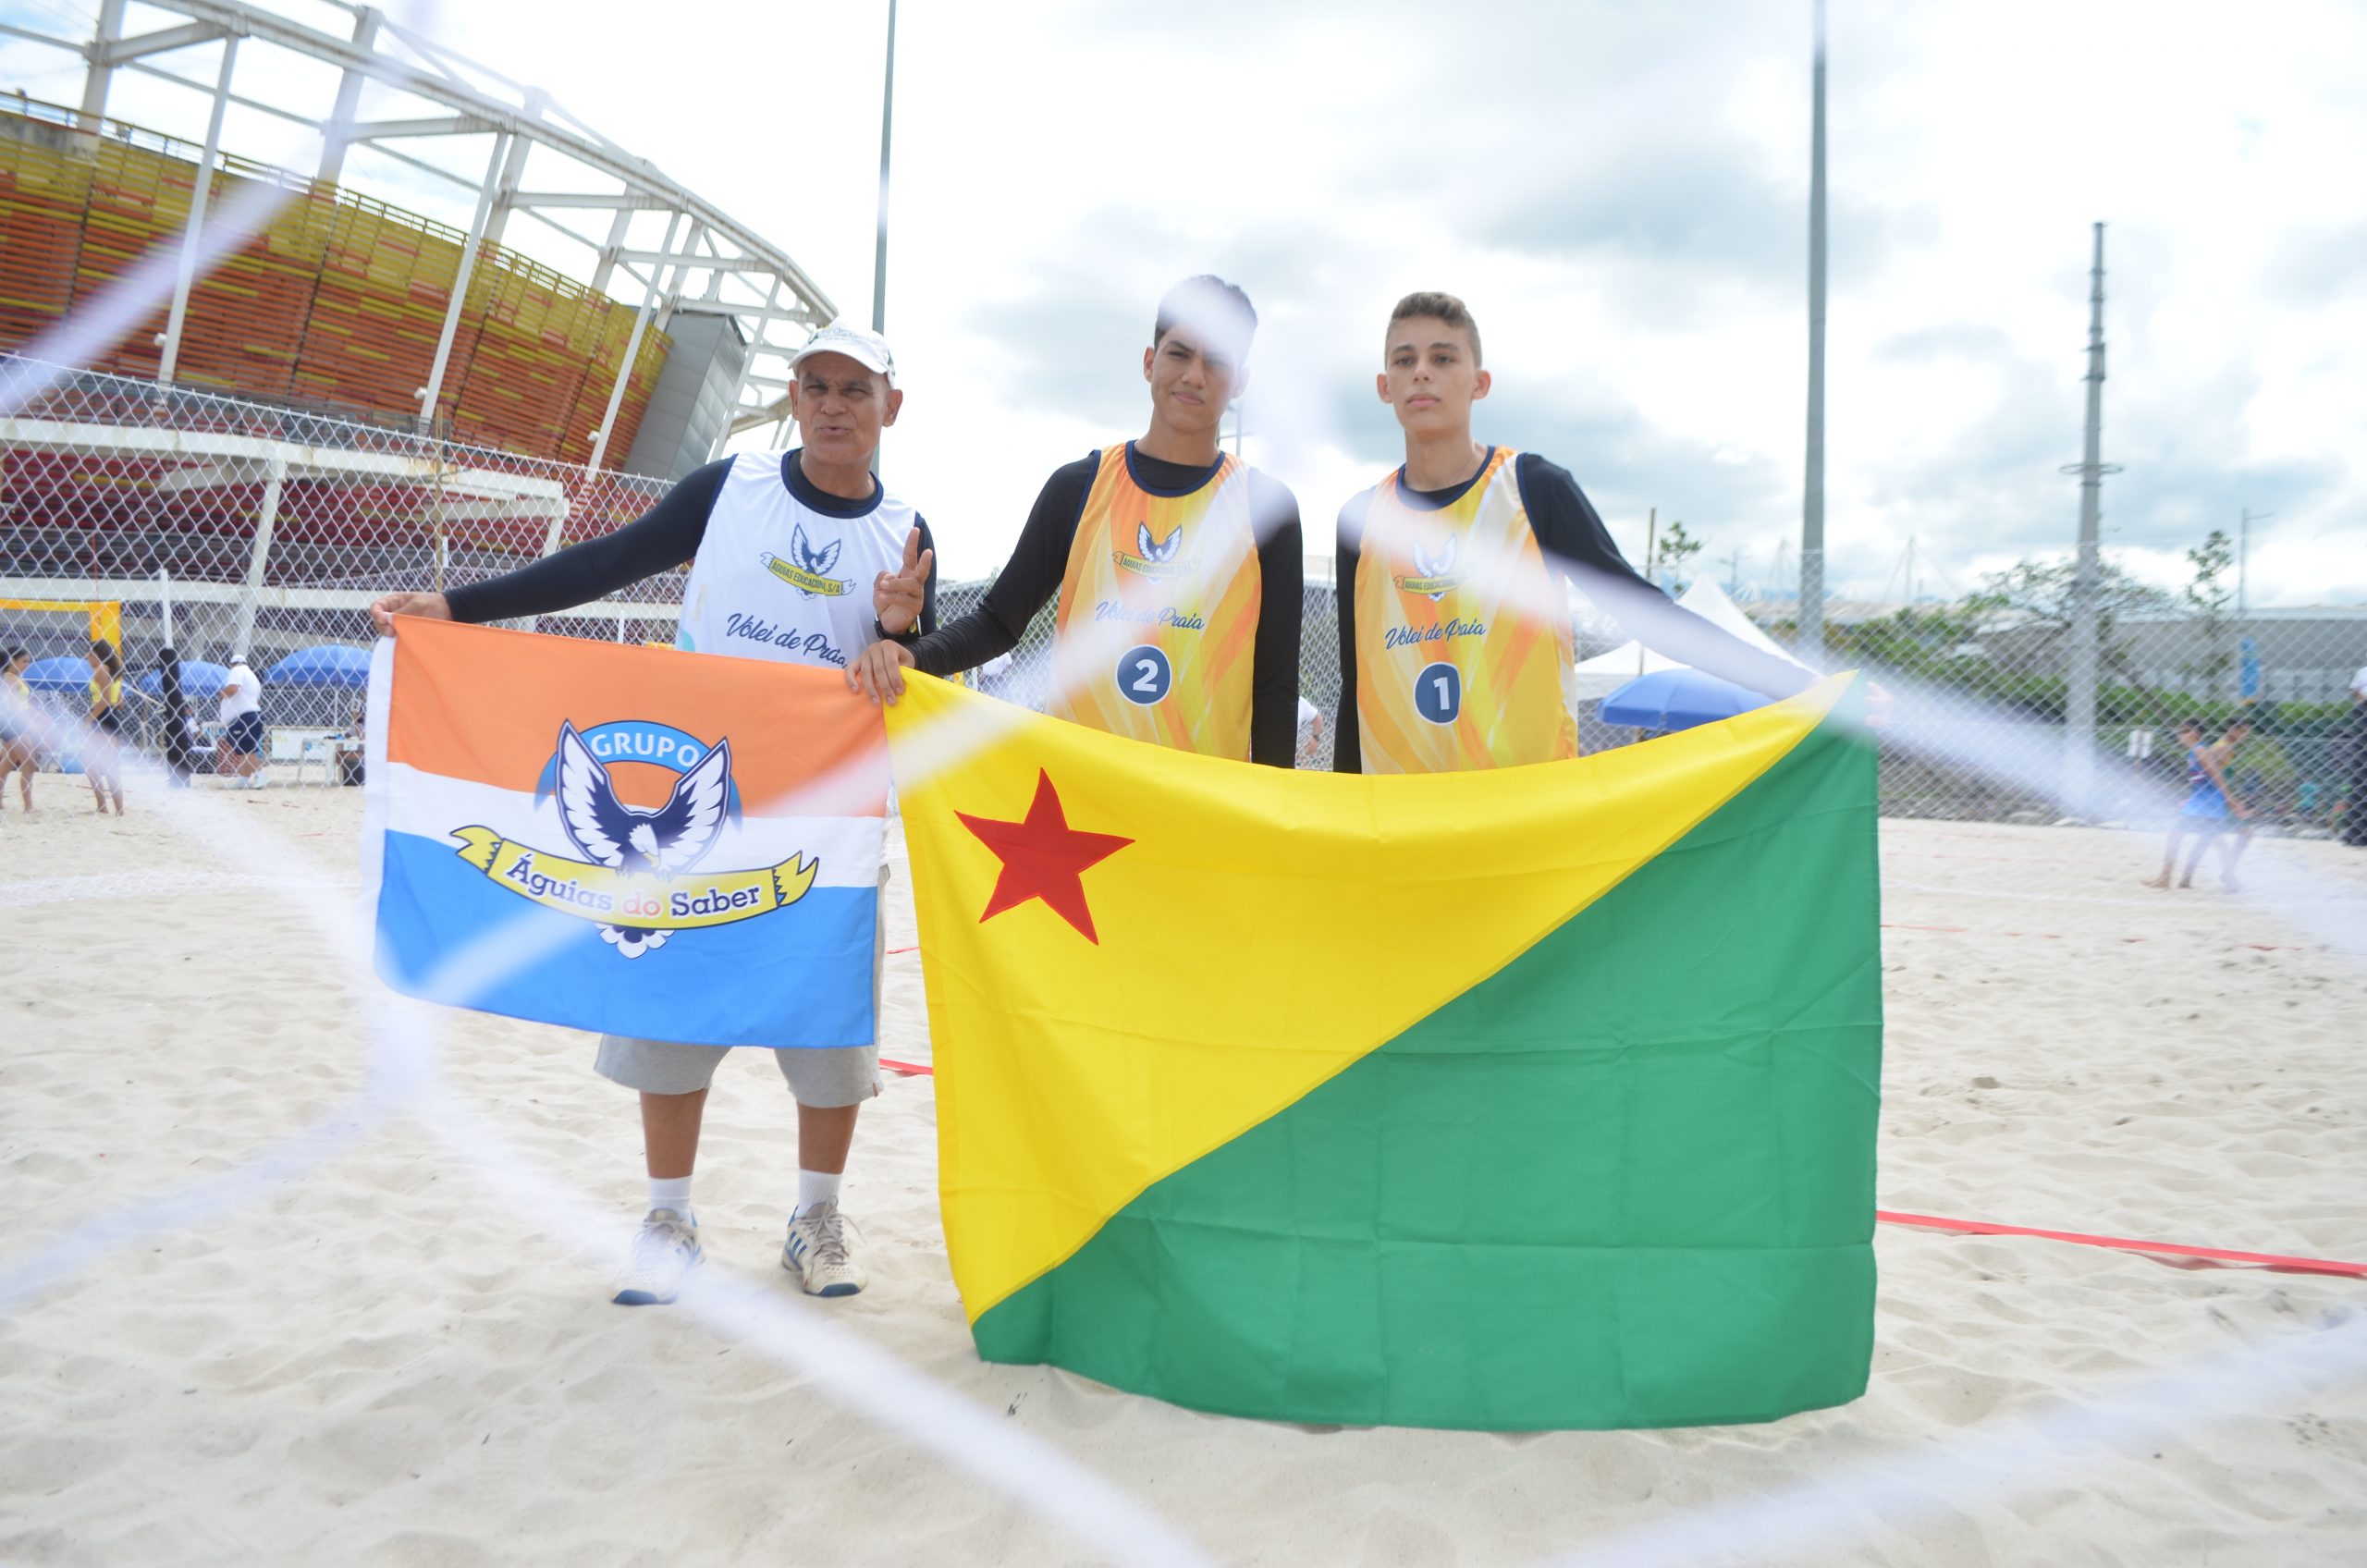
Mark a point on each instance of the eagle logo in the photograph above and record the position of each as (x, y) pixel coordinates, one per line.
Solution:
(1152, 549)
(664, 842)
(806, 569)
(818, 563)
(1433, 570)
(1437, 564)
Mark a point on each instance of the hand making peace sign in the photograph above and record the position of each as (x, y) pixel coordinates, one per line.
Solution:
(896, 596)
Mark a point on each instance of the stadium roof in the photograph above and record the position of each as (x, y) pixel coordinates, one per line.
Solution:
(716, 265)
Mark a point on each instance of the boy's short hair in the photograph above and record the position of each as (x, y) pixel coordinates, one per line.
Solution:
(1445, 307)
(1211, 307)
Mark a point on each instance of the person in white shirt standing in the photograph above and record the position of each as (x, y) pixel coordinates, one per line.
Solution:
(784, 549)
(239, 756)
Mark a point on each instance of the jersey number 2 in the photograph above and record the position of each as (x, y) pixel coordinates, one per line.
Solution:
(1144, 675)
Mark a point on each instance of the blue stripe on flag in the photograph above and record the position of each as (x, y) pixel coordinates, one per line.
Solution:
(796, 977)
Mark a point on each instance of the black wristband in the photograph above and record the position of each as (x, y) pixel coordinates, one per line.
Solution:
(907, 638)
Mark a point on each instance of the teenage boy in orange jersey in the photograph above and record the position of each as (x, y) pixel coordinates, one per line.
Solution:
(1177, 566)
(1456, 648)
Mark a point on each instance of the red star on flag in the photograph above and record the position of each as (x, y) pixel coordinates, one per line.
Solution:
(1043, 857)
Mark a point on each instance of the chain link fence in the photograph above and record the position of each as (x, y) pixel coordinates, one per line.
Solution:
(217, 526)
(162, 517)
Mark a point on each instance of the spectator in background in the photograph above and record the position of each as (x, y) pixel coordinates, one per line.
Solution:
(189, 739)
(240, 754)
(997, 677)
(2211, 808)
(103, 728)
(20, 728)
(1311, 734)
(183, 744)
(2190, 740)
(350, 747)
(2246, 797)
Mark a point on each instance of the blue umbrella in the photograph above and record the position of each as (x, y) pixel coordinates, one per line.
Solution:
(1677, 699)
(199, 678)
(64, 673)
(331, 663)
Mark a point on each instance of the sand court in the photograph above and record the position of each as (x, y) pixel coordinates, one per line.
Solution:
(374, 1351)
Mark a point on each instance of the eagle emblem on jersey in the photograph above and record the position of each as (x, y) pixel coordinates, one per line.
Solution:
(1157, 557)
(1152, 549)
(808, 569)
(638, 878)
(1433, 571)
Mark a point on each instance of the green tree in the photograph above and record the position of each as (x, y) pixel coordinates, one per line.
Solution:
(1672, 547)
(2040, 593)
(2209, 596)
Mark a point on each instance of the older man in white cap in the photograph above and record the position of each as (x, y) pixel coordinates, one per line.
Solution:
(821, 513)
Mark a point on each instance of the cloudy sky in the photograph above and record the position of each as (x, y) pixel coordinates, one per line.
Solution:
(1620, 192)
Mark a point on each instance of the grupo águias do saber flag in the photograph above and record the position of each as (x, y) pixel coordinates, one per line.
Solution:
(1541, 1097)
(676, 846)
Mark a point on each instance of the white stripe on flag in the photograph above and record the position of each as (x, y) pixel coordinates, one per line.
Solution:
(434, 806)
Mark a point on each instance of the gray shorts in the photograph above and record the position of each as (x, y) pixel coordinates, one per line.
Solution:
(821, 1076)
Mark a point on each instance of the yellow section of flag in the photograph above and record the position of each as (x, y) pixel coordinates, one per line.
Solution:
(1246, 933)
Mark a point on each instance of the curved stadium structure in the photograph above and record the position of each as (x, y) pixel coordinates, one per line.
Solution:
(240, 404)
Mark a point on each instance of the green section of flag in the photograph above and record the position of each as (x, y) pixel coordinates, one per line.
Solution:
(1626, 1181)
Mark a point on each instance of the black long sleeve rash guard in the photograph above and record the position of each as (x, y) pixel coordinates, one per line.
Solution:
(1578, 551)
(1041, 560)
(660, 539)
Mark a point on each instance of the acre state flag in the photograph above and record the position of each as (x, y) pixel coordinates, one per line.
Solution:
(1538, 1098)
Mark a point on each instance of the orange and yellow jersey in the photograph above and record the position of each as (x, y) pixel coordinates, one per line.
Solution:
(1158, 611)
(1460, 664)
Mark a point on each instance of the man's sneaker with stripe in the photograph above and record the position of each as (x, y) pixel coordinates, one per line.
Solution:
(666, 1249)
(822, 1251)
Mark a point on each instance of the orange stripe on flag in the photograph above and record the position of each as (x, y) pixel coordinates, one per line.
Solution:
(484, 705)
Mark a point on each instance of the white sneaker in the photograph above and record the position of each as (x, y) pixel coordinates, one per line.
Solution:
(666, 1249)
(821, 1251)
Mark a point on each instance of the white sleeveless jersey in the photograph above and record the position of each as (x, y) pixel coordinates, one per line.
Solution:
(774, 578)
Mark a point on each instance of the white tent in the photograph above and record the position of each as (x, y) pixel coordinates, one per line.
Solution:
(1605, 673)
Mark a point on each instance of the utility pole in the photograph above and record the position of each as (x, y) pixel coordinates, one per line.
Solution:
(2243, 557)
(879, 244)
(887, 131)
(2079, 704)
(1812, 613)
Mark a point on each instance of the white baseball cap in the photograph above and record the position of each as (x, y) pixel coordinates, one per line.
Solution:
(866, 349)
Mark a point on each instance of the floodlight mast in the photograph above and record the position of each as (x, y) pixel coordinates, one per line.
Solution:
(879, 248)
(2080, 693)
(887, 129)
(766, 285)
(1810, 618)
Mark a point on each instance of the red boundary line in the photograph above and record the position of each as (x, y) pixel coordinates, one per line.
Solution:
(2202, 1255)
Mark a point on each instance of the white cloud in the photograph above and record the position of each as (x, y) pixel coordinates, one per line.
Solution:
(1620, 191)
